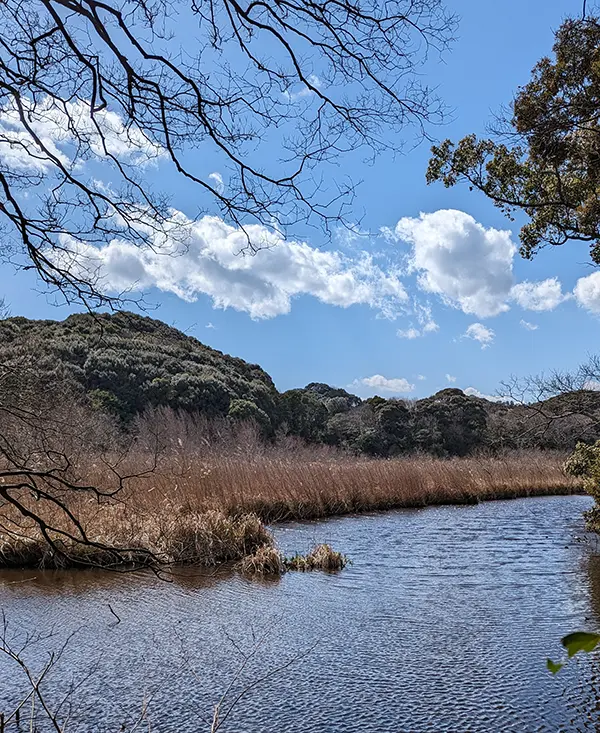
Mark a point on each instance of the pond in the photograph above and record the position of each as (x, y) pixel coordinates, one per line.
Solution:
(442, 622)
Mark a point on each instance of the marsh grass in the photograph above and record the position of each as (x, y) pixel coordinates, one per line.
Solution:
(268, 560)
(210, 507)
(282, 487)
(321, 557)
(205, 539)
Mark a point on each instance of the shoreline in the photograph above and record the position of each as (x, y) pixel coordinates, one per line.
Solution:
(215, 512)
(504, 495)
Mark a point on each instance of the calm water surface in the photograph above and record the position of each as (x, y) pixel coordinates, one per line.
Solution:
(442, 623)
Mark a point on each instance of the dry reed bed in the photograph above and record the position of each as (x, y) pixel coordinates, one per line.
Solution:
(121, 536)
(211, 511)
(280, 488)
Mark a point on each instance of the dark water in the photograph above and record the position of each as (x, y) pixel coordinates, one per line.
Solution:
(442, 623)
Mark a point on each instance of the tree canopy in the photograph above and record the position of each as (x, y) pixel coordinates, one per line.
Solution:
(122, 365)
(544, 160)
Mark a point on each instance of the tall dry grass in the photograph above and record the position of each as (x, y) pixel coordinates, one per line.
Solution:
(282, 488)
(199, 494)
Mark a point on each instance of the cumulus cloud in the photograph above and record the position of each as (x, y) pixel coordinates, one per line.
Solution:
(528, 326)
(538, 296)
(468, 265)
(587, 292)
(472, 392)
(61, 126)
(207, 257)
(450, 378)
(398, 385)
(481, 333)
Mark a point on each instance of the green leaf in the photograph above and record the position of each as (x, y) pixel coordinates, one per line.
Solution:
(554, 667)
(580, 641)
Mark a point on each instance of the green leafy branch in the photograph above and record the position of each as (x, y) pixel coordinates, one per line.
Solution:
(579, 641)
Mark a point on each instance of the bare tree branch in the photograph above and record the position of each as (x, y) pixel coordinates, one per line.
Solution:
(97, 84)
(559, 402)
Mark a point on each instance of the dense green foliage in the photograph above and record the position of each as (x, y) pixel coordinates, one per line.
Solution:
(578, 641)
(546, 161)
(448, 423)
(124, 364)
(585, 463)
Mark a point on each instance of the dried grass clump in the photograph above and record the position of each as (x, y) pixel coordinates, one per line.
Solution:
(22, 552)
(212, 538)
(267, 560)
(321, 557)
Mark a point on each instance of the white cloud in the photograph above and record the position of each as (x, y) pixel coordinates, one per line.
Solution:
(424, 317)
(421, 377)
(409, 333)
(528, 326)
(592, 384)
(472, 392)
(207, 257)
(471, 266)
(349, 235)
(450, 378)
(425, 321)
(305, 91)
(457, 258)
(430, 326)
(587, 292)
(398, 385)
(218, 181)
(413, 333)
(210, 325)
(538, 296)
(61, 128)
(481, 333)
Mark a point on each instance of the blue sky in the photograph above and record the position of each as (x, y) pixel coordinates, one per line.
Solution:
(427, 294)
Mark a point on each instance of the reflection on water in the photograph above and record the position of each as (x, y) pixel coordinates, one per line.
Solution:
(442, 623)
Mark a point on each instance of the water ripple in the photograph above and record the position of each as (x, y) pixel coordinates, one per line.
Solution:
(441, 624)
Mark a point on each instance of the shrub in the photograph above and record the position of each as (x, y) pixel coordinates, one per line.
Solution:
(584, 463)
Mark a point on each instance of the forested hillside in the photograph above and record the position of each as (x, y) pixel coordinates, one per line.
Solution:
(124, 364)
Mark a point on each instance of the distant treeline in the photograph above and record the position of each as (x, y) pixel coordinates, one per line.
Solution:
(123, 364)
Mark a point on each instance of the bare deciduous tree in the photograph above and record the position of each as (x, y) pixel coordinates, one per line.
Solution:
(117, 82)
(559, 402)
(94, 92)
(45, 451)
